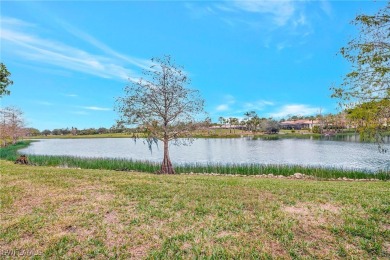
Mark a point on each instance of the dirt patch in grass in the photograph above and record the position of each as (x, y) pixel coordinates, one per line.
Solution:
(36, 197)
(139, 252)
(41, 212)
(312, 226)
(114, 230)
(275, 248)
(386, 227)
(330, 207)
(225, 234)
(313, 214)
(298, 210)
(386, 247)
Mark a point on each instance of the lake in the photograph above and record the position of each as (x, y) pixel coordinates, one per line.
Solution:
(329, 153)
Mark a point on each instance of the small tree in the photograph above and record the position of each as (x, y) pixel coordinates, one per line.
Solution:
(207, 124)
(221, 120)
(73, 131)
(46, 132)
(102, 130)
(12, 126)
(4, 80)
(32, 131)
(56, 131)
(233, 121)
(270, 126)
(252, 120)
(163, 105)
(371, 118)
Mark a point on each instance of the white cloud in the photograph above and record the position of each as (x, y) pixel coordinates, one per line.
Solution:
(257, 105)
(290, 18)
(44, 103)
(142, 63)
(270, 14)
(225, 8)
(40, 49)
(282, 45)
(230, 99)
(280, 11)
(238, 107)
(199, 11)
(10, 21)
(304, 58)
(300, 20)
(222, 107)
(83, 113)
(326, 7)
(295, 109)
(97, 108)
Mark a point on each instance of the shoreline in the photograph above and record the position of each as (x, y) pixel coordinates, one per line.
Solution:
(339, 137)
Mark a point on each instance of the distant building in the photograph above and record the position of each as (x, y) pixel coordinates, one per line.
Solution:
(227, 127)
(299, 124)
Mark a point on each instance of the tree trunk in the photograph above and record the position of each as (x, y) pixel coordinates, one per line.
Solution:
(166, 166)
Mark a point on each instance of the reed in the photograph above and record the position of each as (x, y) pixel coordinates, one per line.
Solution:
(10, 152)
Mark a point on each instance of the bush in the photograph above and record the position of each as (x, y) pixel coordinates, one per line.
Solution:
(316, 129)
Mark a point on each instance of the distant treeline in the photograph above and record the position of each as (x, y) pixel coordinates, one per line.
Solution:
(76, 131)
(250, 122)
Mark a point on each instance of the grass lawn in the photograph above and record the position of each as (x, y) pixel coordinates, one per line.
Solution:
(77, 213)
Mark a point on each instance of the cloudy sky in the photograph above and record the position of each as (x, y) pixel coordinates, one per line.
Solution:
(71, 60)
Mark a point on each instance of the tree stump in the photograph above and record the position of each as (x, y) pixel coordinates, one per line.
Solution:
(22, 160)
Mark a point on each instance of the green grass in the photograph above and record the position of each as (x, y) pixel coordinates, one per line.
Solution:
(240, 169)
(217, 133)
(10, 153)
(77, 213)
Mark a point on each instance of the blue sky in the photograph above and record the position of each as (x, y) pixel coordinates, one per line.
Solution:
(71, 60)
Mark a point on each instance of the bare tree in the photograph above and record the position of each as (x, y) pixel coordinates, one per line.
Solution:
(221, 120)
(207, 124)
(163, 105)
(12, 126)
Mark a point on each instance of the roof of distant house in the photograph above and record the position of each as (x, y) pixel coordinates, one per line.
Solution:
(300, 122)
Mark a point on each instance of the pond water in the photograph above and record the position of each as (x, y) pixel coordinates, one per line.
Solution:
(329, 153)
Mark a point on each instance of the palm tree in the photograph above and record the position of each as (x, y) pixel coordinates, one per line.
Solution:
(221, 120)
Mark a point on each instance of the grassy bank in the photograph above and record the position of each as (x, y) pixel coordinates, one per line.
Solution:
(218, 133)
(10, 153)
(214, 133)
(70, 213)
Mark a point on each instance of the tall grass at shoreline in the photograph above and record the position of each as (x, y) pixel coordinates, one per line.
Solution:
(10, 153)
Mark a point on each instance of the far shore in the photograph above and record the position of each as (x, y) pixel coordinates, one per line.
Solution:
(219, 133)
